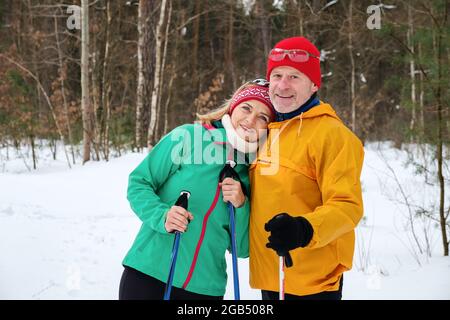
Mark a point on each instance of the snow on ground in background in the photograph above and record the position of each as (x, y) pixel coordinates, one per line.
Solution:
(387, 264)
(64, 232)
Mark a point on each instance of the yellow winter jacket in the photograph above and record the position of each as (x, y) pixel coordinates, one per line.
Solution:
(310, 166)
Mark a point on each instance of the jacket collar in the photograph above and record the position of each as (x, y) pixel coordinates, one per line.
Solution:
(312, 102)
(322, 109)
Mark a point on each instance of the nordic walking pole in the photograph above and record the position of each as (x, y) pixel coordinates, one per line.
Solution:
(283, 261)
(181, 202)
(228, 171)
(234, 252)
(281, 277)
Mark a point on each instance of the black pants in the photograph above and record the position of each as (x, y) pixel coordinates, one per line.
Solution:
(135, 285)
(326, 295)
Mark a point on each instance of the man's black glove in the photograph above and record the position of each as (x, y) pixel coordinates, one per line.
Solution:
(288, 233)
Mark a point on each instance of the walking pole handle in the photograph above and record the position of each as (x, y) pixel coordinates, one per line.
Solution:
(182, 201)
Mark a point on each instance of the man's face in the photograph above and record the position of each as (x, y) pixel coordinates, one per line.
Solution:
(289, 88)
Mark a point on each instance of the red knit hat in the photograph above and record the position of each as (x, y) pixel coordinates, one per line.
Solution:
(254, 92)
(311, 67)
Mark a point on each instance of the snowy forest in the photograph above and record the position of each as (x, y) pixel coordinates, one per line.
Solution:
(90, 84)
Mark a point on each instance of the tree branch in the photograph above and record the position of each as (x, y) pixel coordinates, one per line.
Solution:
(52, 110)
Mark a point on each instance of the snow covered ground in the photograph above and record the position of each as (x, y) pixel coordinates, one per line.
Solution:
(64, 232)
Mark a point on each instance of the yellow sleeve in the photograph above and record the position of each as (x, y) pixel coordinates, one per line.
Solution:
(338, 157)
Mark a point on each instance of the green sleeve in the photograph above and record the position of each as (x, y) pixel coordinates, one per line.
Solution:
(242, 221)
(145, 181)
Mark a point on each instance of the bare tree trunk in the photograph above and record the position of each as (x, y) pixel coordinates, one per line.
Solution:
(440, 152)
(38, 92)
(144, 67)
(195, 45)
(263, 26)
(85, 103)
(140, 95)
(53, 147)
(421, 95)
(207, 36)
(33, 151)
(151, 136)
(63, 74)
(106, 89)
(162, 120)
(300, 18)
(352, 65)
(96, 100)
(166, 105)
(412, 69)
(229, 46)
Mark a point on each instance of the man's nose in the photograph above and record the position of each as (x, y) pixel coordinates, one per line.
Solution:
(283, 83)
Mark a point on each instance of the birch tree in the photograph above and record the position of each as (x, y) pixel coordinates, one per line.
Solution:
(145, 63)
(85, 103)
(151, 136)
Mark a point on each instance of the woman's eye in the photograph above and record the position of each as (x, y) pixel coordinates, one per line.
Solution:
(246, 108)
(264, 119)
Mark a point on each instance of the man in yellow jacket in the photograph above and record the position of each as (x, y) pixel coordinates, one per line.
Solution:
(306, 198)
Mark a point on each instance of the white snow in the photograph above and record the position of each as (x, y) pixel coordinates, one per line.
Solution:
(278, 4)
(329, 4)
(327, 54)
(362, 78)
(387, 6)
(248, 5)
(64, 232)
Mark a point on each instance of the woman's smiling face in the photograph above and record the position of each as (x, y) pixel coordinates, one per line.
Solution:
(250, 119)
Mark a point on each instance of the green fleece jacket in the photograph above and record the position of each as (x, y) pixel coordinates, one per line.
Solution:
(188, 158)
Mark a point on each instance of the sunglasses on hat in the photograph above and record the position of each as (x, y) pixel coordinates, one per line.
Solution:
(261, 82)
(296, 55)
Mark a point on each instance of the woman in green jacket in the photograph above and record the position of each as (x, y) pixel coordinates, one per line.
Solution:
(190, 158)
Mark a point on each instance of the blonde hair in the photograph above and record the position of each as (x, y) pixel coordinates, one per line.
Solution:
(217, 114)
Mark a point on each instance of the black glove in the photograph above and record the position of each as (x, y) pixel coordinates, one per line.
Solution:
(288, 233)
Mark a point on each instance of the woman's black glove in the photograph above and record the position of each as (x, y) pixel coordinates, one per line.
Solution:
(288, 233)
